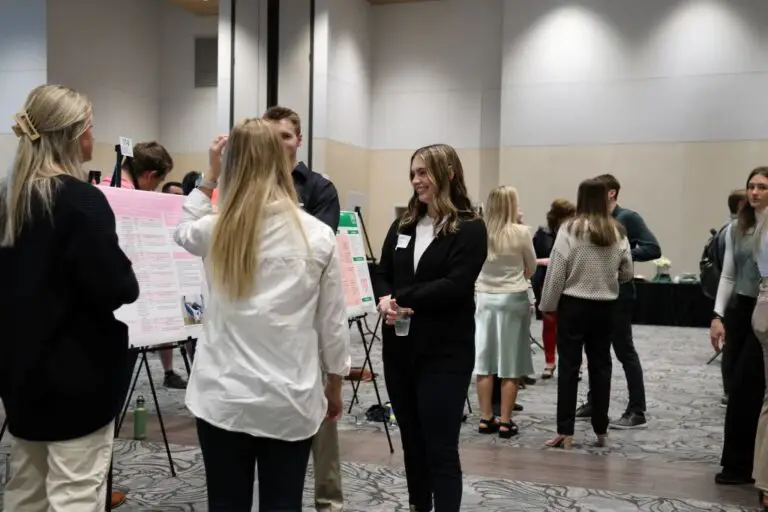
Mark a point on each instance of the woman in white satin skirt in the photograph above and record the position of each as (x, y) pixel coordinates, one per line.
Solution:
(503, 314)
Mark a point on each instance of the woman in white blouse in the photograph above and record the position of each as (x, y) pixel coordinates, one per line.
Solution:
(275, 321)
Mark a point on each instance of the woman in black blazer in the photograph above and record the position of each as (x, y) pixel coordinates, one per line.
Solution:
(429, 263)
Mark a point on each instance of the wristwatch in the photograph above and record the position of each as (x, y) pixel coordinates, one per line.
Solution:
(204, 183)
(717, 316)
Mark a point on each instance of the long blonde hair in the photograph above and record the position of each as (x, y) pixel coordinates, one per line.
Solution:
(505, 234)
(256, 172)
(49, 128)
(451, 198)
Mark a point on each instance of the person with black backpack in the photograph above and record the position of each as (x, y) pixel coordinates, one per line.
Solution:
(711, 266)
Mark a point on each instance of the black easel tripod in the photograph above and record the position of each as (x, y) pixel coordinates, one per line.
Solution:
(143, 362)
(368, 338)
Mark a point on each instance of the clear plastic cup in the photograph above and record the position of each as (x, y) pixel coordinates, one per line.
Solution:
(402, 324)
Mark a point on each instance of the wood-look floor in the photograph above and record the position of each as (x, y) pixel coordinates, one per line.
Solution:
(553, 467)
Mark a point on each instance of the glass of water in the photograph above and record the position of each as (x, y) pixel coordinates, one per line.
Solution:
(402, 323)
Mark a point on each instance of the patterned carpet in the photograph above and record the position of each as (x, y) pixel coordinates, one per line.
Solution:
(685, 425)
(142, 467)
(683, 394)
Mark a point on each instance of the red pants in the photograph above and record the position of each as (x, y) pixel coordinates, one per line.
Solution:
(549, 335)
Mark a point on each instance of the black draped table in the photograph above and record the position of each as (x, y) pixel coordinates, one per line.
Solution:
(673, 304)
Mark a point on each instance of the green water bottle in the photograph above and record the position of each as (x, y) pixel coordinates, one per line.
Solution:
(140, 419)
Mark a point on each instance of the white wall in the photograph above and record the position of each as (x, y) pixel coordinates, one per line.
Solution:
(23, 56)
(436, 74)
(22, 63)
(108, 49)
(294, 69)
(349, 73)
(250, 80)
(187, 114)
(603, 71)
(573, 73)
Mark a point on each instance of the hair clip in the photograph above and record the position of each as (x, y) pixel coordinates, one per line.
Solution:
(25, 126)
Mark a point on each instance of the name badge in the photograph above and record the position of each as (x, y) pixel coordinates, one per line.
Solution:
(403, 241)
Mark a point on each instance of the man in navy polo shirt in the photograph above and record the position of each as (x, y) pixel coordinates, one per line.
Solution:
(319, 198)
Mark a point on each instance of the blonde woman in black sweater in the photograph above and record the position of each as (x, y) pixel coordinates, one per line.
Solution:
(589, 259)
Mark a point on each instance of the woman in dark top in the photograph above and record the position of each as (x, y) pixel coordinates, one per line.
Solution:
(63, 276)
(430, 260)
(543, 240)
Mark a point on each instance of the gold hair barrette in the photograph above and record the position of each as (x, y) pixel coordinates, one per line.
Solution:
(25, 126)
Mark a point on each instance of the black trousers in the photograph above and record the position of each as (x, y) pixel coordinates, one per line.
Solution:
(583, 324)
(428, 402)
(747, 387)
(624, 347)
(230, 460)
(730, 354)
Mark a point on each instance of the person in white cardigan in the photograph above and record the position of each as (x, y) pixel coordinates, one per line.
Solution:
(275, 321)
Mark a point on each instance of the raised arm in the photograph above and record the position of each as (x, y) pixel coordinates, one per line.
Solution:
(196, 225)
(466, 259)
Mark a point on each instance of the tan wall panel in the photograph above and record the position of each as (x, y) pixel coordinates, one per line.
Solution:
(679, 189)
(348, 168)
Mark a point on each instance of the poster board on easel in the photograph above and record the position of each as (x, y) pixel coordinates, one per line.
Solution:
(358, 289)
(172, 282)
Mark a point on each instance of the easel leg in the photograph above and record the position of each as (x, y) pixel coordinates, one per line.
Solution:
(373, 333)
(367, 348)
(159, 413)
(137, 369)
(184, 357)
(366, 363)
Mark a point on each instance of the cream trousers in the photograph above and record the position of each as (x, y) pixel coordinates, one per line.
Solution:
(64, 476)
(327, 468)
(760, 327)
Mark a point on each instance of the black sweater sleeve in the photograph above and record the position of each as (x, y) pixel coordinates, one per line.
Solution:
(93, 253)
(385, 272)
(465, 261)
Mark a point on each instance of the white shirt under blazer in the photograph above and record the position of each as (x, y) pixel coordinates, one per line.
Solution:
(260, 369)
